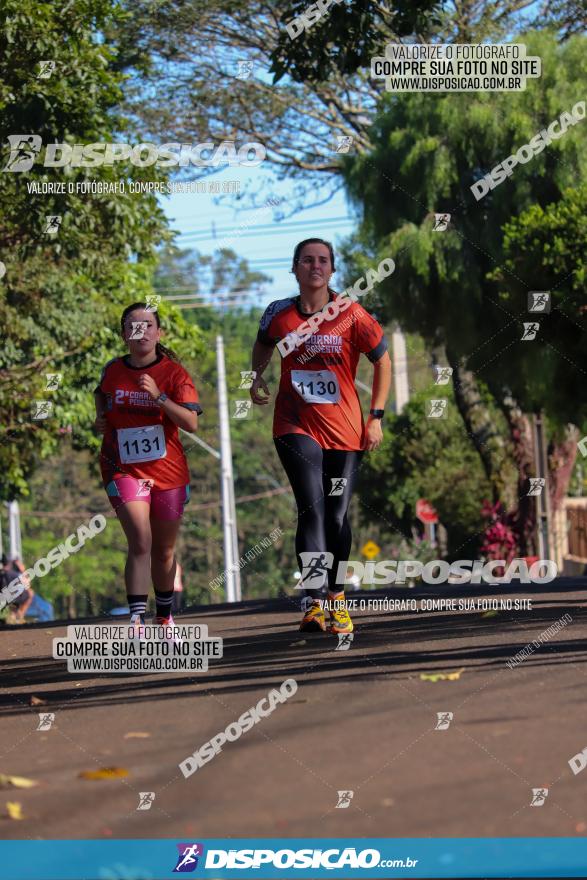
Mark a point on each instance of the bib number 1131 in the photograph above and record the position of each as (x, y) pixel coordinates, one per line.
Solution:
(141, 444)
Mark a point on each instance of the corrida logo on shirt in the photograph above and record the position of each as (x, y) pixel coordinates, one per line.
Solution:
(133, 398)
(328, 342)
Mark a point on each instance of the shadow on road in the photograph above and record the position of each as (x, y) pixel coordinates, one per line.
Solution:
(260, 652)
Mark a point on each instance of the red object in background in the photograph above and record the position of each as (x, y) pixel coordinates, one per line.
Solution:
(530, 560)
(425, 512)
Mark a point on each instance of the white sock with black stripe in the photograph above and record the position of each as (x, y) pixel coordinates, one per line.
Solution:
(137, 605)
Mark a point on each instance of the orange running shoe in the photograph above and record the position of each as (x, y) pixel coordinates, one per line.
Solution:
(313, 620)
(340, 619)
(169, 634)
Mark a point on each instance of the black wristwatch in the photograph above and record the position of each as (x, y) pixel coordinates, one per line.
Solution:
(377, 413)
(162, 398)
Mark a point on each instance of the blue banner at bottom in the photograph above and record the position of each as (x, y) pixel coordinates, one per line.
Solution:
(293, 857)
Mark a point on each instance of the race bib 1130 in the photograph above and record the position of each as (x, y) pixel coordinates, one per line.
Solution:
(316, 386)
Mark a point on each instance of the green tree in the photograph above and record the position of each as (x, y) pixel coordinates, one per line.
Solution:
(347, 36)
(432, 459)
(544, 250)
(186, 56)
(350, 34)
(61, 295)
(428, 151)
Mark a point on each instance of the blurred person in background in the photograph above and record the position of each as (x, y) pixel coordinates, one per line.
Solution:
(11, 570)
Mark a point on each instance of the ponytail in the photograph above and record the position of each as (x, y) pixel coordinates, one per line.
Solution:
(168, 352)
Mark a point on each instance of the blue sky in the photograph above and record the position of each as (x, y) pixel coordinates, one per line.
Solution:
(195, 217)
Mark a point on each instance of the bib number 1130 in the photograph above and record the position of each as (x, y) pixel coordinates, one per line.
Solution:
(316, 386)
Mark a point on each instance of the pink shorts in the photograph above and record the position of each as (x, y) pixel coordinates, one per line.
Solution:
(165, 503)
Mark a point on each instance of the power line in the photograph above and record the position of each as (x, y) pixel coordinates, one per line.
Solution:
(269, 260)
(284, 490)
(246, 234)
(218, 293)
(223, 303)
(211, 305)
(189, 291)
(271, 226)
(242, 499)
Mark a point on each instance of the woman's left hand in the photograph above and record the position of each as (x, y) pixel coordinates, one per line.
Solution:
(373, 434)
(147, 383)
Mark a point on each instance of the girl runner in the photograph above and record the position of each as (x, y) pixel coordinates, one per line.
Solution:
(142, 400)
(318, 425)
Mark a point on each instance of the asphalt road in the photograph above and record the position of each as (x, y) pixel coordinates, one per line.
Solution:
(362, 720)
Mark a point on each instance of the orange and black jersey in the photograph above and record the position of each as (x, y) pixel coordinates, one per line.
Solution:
(317, 394)
(129, 408)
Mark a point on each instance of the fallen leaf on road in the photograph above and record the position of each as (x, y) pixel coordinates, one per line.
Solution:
(104, 773)
(37, 701)
(136, 734)
(16, 781)
(14, 810)
(441, 676)
(492, 613)
(296, 644)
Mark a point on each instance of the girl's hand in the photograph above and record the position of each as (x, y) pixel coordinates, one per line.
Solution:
(147, 383)
(259, 383)
(373, 434)
(101, 424)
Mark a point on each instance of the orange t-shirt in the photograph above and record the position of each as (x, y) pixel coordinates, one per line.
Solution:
(130, 407)
(317, 394)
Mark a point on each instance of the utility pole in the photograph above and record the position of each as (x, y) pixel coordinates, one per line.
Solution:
(233, 579)
(400, 370)
(14, 537)
(543, 518)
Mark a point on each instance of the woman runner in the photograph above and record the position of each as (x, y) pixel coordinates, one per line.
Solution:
(142, 400)
(318, 425)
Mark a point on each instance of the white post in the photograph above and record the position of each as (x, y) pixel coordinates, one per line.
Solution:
(400, 370)
(234, 535)
(15, 542)
(233, 581)
(543, 518)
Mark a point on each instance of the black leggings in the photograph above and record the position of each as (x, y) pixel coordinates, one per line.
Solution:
(322, 518)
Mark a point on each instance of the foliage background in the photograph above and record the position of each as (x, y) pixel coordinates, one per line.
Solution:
(61, 296)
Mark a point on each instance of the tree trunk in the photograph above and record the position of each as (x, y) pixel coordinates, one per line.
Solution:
(493, 448)
(524, 513)
(561, 456)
